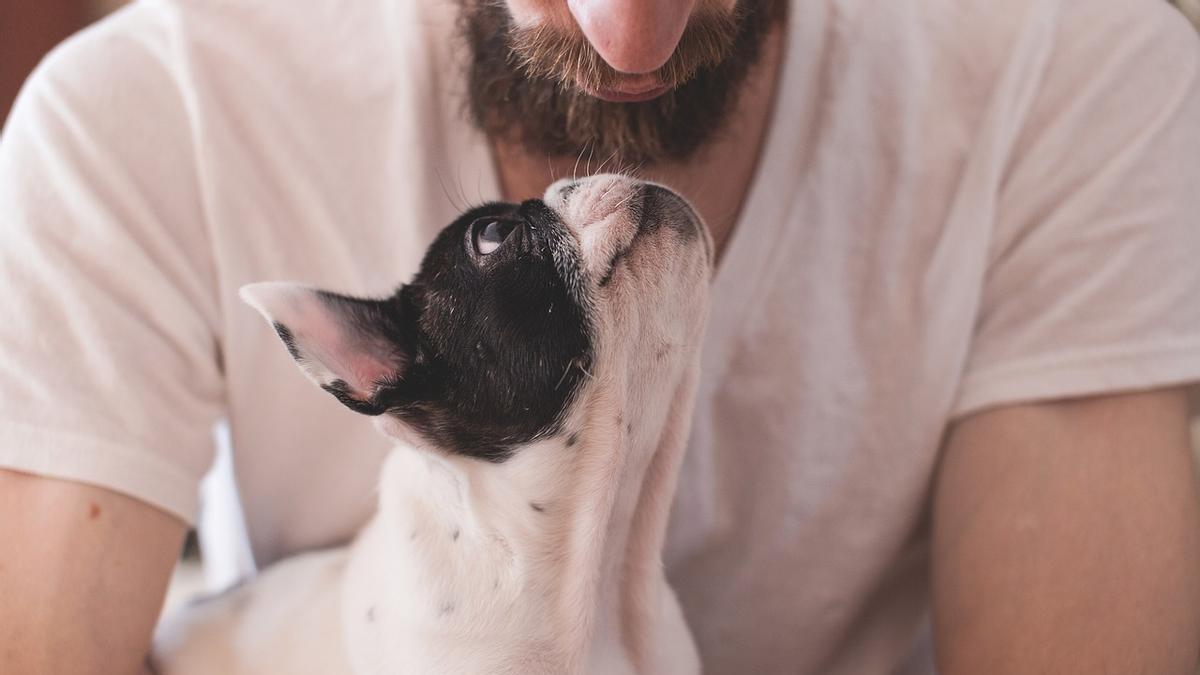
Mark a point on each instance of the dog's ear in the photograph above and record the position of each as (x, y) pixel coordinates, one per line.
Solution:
(351, 347)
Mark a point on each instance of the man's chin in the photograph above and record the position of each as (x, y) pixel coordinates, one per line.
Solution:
(554, 115)
(630, 95)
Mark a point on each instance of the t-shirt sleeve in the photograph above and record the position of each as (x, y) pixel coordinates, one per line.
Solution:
(109, 365)
(1093, 283)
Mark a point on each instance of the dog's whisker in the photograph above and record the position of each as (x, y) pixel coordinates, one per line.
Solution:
(462, 192)
(584, 370)
(587, 167)
(608, 159)
(445, 192)
(562, 379)
(625, 200)
(575, 169)
(607, 190)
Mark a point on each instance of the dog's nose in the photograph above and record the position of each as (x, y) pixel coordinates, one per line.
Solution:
(591, 202)
(565, 191)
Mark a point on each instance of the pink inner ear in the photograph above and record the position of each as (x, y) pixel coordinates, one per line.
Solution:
(329, 348)
(358, 360)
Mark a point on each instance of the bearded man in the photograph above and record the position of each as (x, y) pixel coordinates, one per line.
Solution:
(942, 422)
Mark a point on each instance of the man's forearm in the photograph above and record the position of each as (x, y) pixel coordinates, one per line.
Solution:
(82, 576)
(1067, 540)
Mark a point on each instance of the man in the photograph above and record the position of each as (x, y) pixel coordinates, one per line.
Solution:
(953, 314)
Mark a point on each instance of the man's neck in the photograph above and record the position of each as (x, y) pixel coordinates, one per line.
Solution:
(716, 181)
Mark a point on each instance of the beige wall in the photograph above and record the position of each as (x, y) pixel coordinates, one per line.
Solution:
(101, 7)
(1191, 8)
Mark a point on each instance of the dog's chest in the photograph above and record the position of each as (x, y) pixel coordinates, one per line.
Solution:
(430, 585)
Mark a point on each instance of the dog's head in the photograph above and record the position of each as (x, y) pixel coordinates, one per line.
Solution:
(489, 346)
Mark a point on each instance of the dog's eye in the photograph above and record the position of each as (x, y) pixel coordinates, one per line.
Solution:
(490, 233)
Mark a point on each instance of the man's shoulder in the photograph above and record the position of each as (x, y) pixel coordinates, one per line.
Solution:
(112, 88)
(958, 63)
(128, 52)
(986, 36)
(179, 52)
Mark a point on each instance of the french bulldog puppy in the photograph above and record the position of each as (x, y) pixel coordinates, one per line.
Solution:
(538, 375)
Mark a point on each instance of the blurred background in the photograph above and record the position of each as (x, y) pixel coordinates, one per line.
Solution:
(29, 29)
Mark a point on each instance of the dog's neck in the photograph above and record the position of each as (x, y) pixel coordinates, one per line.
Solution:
(559, 546)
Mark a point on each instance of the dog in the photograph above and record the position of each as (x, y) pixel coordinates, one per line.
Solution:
(538, 377)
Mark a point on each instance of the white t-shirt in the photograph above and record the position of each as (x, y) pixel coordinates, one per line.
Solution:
(961, 204)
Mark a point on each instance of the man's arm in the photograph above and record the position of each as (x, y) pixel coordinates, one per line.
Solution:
(82, 576)
(1066, 539)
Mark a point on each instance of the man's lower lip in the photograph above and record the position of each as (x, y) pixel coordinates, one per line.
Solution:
(614, 96)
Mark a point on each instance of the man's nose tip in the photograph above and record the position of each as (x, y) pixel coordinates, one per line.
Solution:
(632, 36)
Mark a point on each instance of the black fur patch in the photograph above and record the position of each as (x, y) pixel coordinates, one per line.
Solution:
(488, 344)
(289, 340)
(341, 391)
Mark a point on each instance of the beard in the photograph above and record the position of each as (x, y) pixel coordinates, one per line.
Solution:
(527, 85)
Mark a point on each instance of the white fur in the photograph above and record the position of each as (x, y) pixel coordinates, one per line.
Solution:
(548, 563)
